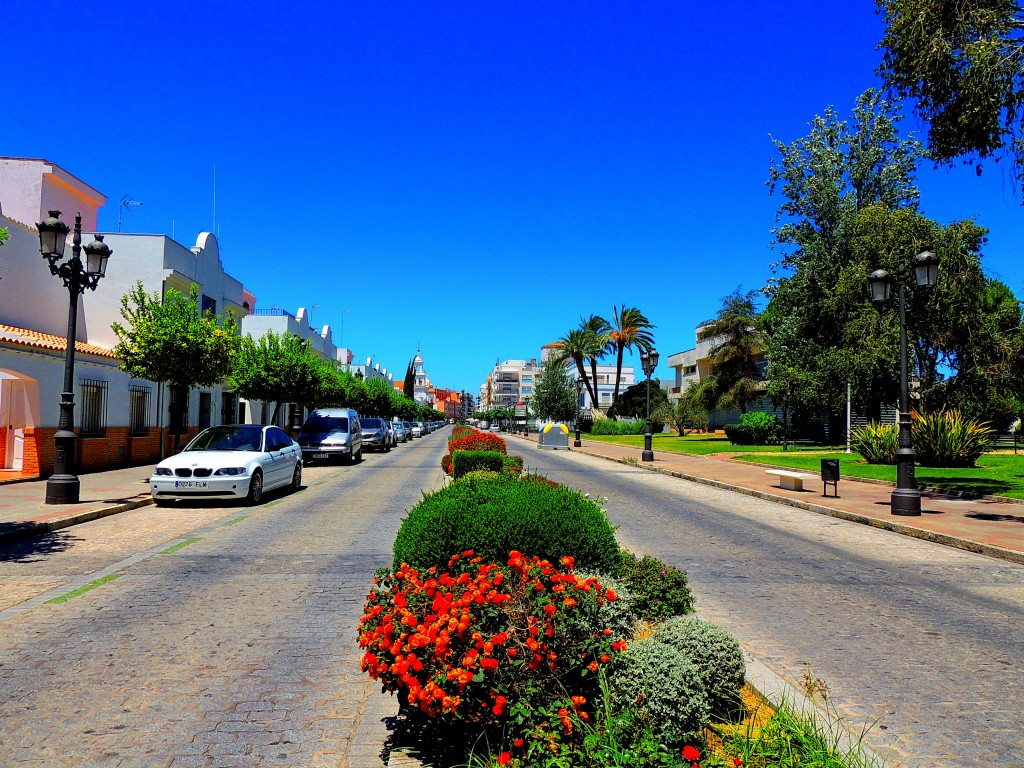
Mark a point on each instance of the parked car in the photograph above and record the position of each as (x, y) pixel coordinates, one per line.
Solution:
(390, 427)
(401, 433)
(236, 461)
(417, 429)
(376, 434)
(331, 433)
(408, 429)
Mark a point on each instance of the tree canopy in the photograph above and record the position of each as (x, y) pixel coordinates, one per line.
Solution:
(961, 63)
(169, 341)
(554, 394)
(736, 347)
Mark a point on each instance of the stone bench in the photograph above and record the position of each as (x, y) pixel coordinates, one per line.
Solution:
(791, 481)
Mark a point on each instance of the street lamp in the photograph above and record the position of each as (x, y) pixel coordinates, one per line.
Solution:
(906, 498)
(649, 362)
(63, 486)
(579, 396)
(526, 418)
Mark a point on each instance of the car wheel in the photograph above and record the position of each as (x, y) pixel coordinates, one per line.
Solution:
(297, 477)
(255, 488)
(359, 455)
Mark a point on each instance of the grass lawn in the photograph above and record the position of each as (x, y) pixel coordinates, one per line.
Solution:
(998, 474)
(700, 445)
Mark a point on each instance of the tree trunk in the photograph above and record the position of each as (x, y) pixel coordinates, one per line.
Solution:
(593, 374)
(618, 373)
(586, 382)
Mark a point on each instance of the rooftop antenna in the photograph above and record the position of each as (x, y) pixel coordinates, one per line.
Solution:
(126, 203)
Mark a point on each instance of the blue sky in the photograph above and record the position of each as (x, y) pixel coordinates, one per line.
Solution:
(470, 177)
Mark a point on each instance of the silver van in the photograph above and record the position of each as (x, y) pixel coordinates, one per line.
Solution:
(331, 433)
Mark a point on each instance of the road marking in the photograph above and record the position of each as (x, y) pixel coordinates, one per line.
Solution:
(180, 545)
(83, 589)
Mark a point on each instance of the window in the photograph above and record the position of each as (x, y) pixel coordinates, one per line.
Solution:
(94, 408)
(209, 305)
(138, 410)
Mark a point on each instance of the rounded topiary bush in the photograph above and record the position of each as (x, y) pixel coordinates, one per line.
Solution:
(661, 689)
(497, 514)
(713, 651)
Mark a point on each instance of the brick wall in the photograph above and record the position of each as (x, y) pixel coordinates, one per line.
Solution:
(92, 454)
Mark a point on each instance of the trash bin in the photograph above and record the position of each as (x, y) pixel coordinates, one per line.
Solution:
(830, 475)
(553, 435)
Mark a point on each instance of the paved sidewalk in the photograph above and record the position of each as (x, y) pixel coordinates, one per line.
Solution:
(988, 526)
(24, 511)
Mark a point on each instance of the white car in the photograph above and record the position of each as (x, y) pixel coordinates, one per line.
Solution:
(238, 461)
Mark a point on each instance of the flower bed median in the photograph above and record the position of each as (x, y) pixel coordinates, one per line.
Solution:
(514, 630)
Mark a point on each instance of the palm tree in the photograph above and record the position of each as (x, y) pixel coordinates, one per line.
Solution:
(574, 346)
(598, 332)
(630, 330)
(738, 344)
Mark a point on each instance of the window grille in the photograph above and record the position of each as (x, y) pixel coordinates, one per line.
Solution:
(94, 407)
(138, 410)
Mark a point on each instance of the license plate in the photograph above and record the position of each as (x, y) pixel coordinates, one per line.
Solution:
(321, 456)
(189, 483)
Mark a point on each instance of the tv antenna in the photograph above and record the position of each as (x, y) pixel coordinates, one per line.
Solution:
(126, 203)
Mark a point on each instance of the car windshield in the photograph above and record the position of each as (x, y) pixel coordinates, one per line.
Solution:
(371, 423)
(242, 438)
(316, 423)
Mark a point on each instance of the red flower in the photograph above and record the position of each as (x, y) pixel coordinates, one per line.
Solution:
(691, 753)
(517, 743)
(504, 758)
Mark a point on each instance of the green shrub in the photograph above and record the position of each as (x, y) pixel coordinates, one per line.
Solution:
(714, 652)
(618, 615)
(467, 461)
(877, 443)
(658, 590)
(755, 428)
(612, 427)
(513, 464)
(949, 440)
(661, 690)
(496, 515)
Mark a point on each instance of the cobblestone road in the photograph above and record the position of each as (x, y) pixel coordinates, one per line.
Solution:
(236, 649)
(924, 638)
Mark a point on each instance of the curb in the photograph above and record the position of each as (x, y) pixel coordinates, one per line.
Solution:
(989, 550)
(35, 528)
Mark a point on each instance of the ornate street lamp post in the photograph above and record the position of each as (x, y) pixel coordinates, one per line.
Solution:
(649, 362)
(579, 396)
(906, 498)
(63, 486)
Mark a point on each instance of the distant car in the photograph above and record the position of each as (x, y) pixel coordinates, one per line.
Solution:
(418, 429)
(408, 428)
(237, 461)
(376, 434)
(401, 433)
(495, 427)
(331, 433)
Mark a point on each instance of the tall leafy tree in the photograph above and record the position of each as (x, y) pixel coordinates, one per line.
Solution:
(817, 316)
(409, 385)
(169, 341)
(554, 394)
(960, 61)
(736, 348)
(630, 329)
